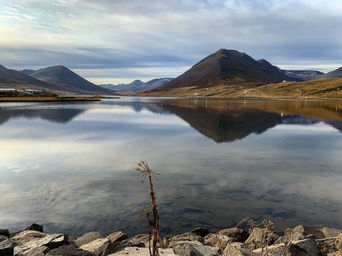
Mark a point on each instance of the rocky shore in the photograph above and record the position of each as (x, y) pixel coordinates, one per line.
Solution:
(300, 240)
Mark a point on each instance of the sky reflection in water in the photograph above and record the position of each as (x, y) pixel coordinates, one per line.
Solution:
(72, 166)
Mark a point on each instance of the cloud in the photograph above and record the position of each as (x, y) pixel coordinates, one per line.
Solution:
(137, 34)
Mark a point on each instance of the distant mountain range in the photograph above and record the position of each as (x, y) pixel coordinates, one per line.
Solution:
(137, 85)
(238, 70)
(65, 79)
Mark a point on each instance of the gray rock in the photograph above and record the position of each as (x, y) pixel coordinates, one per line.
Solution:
(26, 236)
(200, 231)
(331, 232)
(6, 247)
(339, 242)
(326, 245)
(4, 232)
(219, 241)
(137, 251)
(69, 250)
(95, 246)
(309, 245)
(239, 234)
(87, 238)
(36, 227)
(26, 243)
(117, 237)
(255, 240)
(110, 248)
(300, 232)
(193, 248)
(236, 249)
(185, 237)
(281, 249)
(38, 251)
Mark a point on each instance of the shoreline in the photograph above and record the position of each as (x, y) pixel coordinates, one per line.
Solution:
(50, 99)
(247, 239)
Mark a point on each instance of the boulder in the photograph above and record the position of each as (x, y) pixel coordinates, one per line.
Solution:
(303, 247)
(117, 237)
(28, 240)
(193, 248)
(236, 249)
(4, 232)
(6, 247)
(331, 232)
(38, 251)
(339, 242)
(138, 251)
(335, 254)
(255, 240)
(87, 238)
(109, 248)
(35, 227)
(200, 231)
(69, 250)
(95, 245)
(143, 238)
(239, 234)
(300, 232)
(185, 237)
(219, 241)
(26, 236)
(326, 245)
(282, 249)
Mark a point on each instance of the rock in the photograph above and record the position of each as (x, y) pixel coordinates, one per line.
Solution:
(35, 227)
(236, 249)
(69, 250)
(185, 237)
(309, 245)
(193, 248)
(26, 236)
(110, 248)
(117, 237)
(144, 238)
(95, 245)
(339, 242)
(335, 254)
(6, 247)
(4, 232)
(38, 251)
(240, 234)
(219, 241)
(255, 239)
(282, 249)
(331, 232)
(300, 232)
(28, 240)
(87, 238)
(200, 232)
(326, 245)
(306, 247)
(137, 251)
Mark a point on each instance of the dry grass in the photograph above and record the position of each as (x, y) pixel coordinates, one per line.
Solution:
(325, 88)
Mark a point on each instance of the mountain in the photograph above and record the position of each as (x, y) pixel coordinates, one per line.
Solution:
(63, 77)
(12, 78)
(137, 85)
(333, 74)
(303, 75)
(228, 67)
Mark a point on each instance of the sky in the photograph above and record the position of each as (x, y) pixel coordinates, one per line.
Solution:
(115, 41)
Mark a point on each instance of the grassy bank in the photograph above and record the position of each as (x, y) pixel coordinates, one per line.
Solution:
(317, 89)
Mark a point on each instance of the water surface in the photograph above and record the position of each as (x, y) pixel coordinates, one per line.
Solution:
(72, 166)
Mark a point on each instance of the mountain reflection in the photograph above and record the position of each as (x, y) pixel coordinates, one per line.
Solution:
(58, 115)
(227, 121)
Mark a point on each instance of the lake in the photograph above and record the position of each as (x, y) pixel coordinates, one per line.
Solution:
(71, 167)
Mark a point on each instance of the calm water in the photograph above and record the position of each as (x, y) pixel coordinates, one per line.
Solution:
(72, 166)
